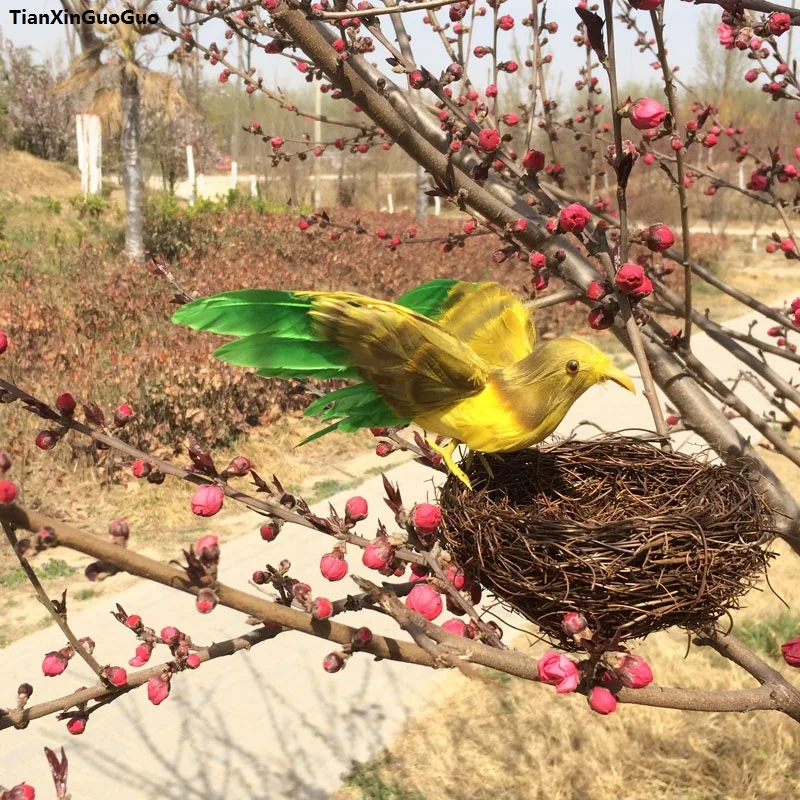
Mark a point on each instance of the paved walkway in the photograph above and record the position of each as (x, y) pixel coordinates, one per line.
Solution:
(267, 724)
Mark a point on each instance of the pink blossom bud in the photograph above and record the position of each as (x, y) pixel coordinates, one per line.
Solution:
(54, 664)
(600, 319)
(77, 725)
(158, 688)
(506, 22)
(270, 530)
(751, 75)
(629, 278)
(426, 517)
(46, 440)
(378, 553)
(658, 237)
(142, 655)
(787, 245)
(123, 415)
(65, 403)
(193, 661)
(455, 626)
(355, 509)
(141, 469)
(207, 500)
(558, 670)
(574, 622)
(672, 419)
(596, 290)
(633, 671)
(778, 23)
(133, 621)
(425, 600)
(239, 466)
(362, 637)
(333, 662)
(602, 700)
(538, 260)
(333, 566)
(489, 140)
(8, 492)
(791, 652)
(22, 791)
(116, 676)
(321, 608)
(573, 219)
(206, 601)
(170, 635)
(646, 113)
(758, 181)
(207, 549)
(533, 160)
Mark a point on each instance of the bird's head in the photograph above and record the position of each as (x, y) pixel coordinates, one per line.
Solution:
(563, 369)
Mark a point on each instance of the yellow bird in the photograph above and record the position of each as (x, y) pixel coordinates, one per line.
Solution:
(456, 358)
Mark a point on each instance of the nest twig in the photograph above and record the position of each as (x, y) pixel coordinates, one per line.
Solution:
(636, 539)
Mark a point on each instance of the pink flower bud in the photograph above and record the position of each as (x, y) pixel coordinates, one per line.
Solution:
(270, 530)
(646, 113)
(425, 600)
(506, 22)
(207, 500)
(54, 664)
(751, 75)
(238, 467)
(533, 160)
(791, 652)
(65, 403)
(8, 492)
(417, 80)
(726, 35)
(758, 181)
(333, 662)
(538, 260)
(118, 529)
(426, 517)
(558, 670)
(123, 415)
(455, 626)
(333, 566)
(276, 143)
(321, 608)
(355, 509)
(116, 676)
(778, 23)
(629, 277)
(602, 700)
(77, 725)
(207, 548)
(133, 621)
(574, 622)
(787, 245)
(658, 237)
(141, 469)
(206, 601)
(633, 671)
(170, 635)
(469, 226)
(573, 219)
(600, 319)
(193, 661)
(489, 140)
(596, 290)
(158, 689)
(378, 553)
(362, 637)
(46, 440)
(142, 655)
(22, 791)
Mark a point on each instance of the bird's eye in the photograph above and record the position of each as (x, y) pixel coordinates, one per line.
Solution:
(572, 367)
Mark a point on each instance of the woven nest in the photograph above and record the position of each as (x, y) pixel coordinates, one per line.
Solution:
(636, 539)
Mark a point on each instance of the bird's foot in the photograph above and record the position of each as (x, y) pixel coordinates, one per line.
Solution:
(446, 453)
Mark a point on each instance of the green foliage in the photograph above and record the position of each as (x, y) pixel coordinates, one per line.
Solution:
(84, 594)
(366, 777)
(767, 636)
(89, 206)
(13, 578)
(55, 568)
(49, 205)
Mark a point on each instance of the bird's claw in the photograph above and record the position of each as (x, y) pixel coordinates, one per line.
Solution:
(446, 453)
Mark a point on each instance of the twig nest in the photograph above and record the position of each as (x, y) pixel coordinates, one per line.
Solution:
(636, 539)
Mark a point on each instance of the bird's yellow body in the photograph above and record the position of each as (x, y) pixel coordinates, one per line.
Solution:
(457, 358)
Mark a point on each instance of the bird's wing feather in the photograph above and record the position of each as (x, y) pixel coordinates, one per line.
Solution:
(490, 320)
(415, 364)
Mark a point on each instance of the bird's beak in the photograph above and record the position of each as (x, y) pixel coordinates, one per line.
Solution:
(615, 374)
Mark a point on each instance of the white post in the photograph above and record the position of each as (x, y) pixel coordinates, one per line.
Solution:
(437, 205)
(95, 155)
(253, 185)
(317, 196)
(190, 176)
(82, 165)
(234, 174)
(390, 203)
(754, 243)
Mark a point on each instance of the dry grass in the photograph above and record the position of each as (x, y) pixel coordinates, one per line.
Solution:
(26, 177)
(520, 741)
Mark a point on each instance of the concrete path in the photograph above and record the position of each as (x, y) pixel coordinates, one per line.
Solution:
(271, 723)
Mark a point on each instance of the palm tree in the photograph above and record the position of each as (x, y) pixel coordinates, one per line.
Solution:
(121, 73)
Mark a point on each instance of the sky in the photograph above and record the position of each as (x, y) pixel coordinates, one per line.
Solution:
(681, 22)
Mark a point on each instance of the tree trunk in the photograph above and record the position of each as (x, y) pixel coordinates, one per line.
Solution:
(132, 180)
